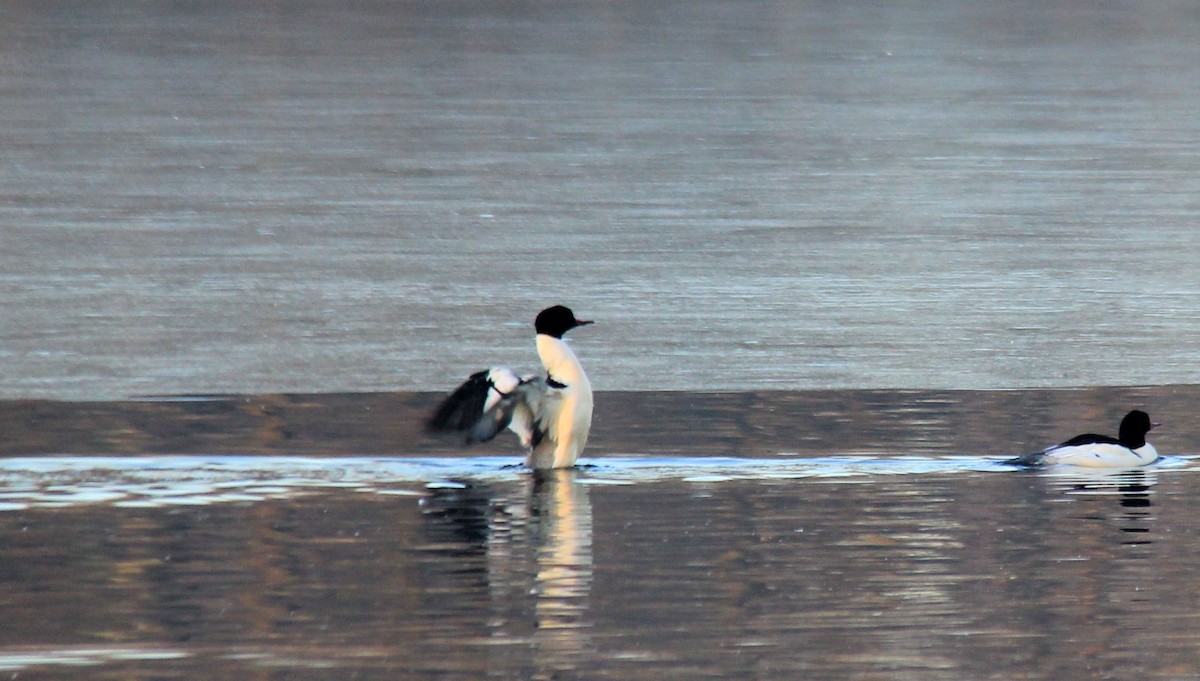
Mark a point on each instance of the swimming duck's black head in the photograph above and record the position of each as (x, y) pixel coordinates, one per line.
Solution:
(1134, 427)
(557, 320)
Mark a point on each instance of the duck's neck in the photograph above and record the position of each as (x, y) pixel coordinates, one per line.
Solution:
(1132, 440)
(560, 361)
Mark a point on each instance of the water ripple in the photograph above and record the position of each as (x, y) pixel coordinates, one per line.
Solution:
(19, 659)
(151, 482)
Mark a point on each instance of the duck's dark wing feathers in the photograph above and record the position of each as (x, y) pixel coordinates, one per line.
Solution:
(1089, 439)
(522, 411)
(526, 410)
(494, 420)
(460, 411)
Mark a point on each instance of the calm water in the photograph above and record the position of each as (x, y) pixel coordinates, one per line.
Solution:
(335, 196)
(834, 230)
(922, 568)
(825, 535)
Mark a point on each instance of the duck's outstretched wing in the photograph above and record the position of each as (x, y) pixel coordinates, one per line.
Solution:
(480, 393)
(492, 400)
(527, 410)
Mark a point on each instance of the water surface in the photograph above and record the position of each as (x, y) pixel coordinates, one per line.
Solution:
(374, 196)
(820, 240)
(825, 534)
(844, 568)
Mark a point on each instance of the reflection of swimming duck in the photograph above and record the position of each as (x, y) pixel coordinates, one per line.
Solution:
(1128, 450)
(551, 415)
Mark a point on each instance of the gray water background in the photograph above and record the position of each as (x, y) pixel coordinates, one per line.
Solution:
(360, 196)
(846, 567)
(863, 224)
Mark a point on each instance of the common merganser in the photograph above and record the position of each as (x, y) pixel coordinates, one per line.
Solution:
(551, 415)
(1128, 450)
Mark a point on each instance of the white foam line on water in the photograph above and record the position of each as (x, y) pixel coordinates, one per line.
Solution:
(150, 482)
(19, 659)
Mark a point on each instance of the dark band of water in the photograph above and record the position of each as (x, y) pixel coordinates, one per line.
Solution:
(746, 424)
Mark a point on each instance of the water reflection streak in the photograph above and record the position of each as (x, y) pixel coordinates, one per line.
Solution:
(534, 537)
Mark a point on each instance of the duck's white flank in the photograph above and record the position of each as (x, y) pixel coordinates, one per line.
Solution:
(1101, 455)
(566, 416)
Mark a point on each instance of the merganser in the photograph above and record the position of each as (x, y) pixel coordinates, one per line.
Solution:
(1128, 450)
(551, 415)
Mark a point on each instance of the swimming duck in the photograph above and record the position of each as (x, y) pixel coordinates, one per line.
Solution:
(1128, 450)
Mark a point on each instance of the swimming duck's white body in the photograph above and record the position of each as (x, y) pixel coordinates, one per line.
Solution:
(1129, 450)
(1100, 455)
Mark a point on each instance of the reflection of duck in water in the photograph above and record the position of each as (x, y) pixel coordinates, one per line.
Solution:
(1128, 450)
(563, 556)
(535, 542)
(551, 415)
